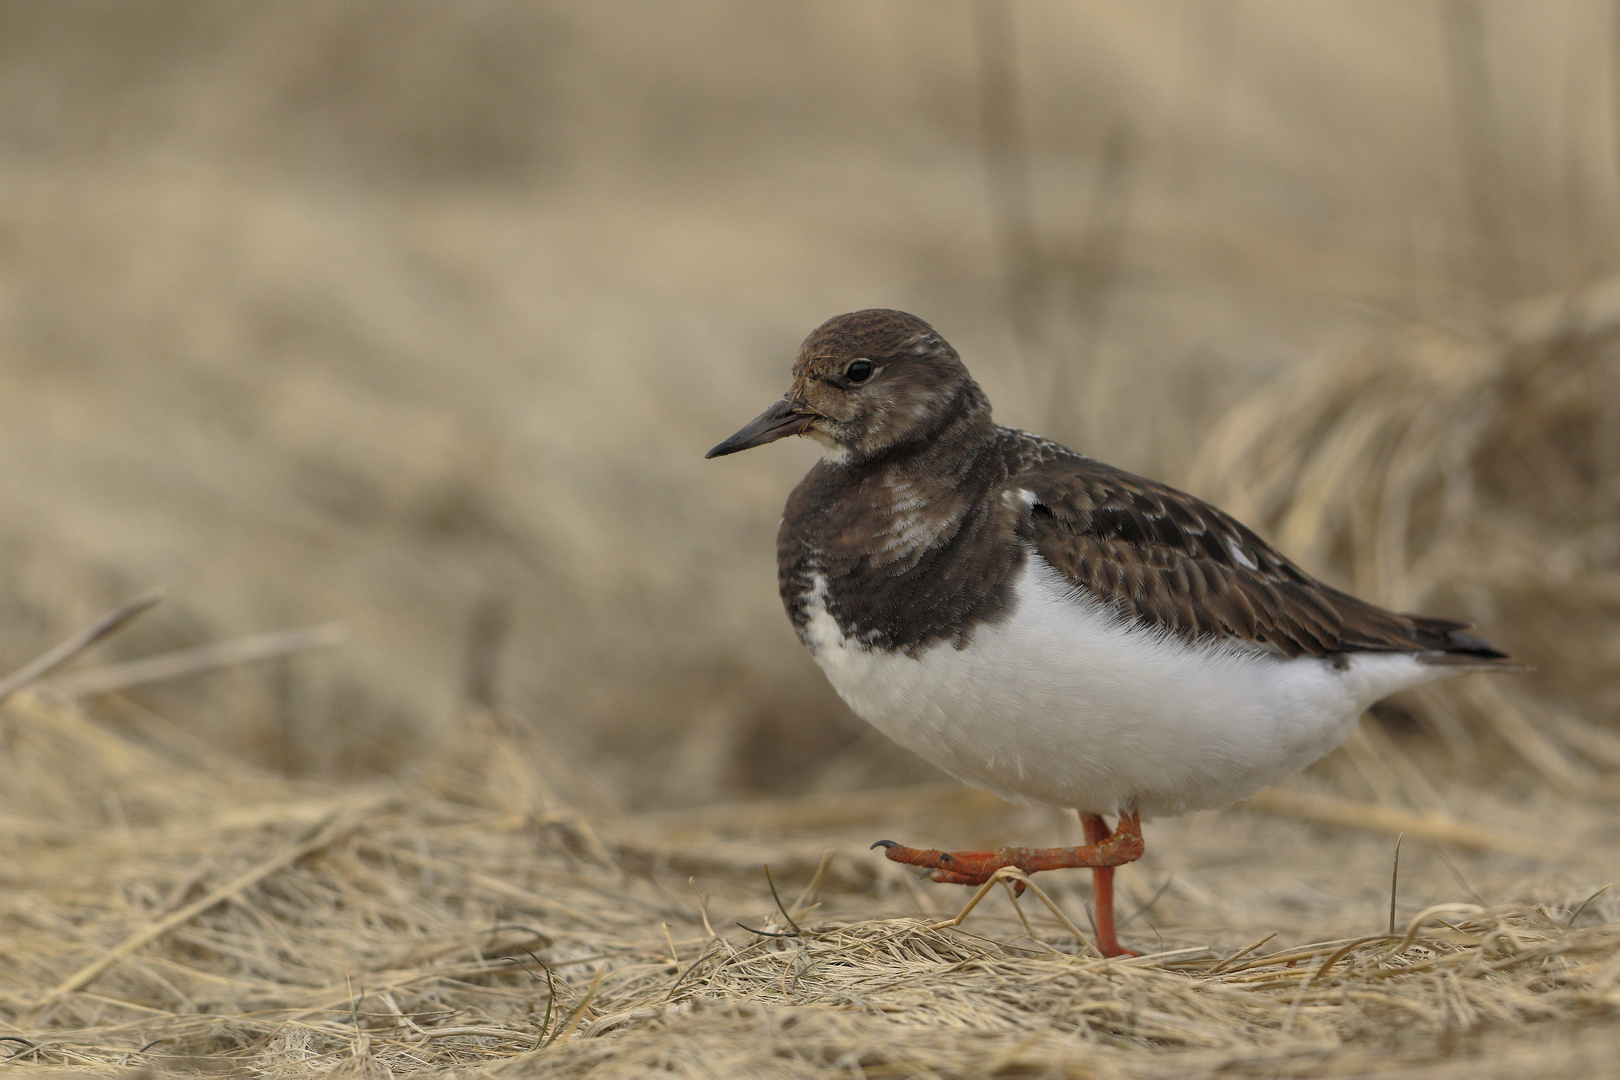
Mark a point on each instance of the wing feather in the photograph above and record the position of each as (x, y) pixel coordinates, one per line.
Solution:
(1171, 561)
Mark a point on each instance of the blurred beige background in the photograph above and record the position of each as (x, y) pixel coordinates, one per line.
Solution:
(420, 316)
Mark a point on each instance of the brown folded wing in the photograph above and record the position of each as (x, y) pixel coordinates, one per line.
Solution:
(1172, 561)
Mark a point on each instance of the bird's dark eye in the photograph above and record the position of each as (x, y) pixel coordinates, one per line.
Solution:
(859, 371)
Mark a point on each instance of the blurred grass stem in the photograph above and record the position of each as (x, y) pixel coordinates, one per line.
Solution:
(54, 658)
(184, 662)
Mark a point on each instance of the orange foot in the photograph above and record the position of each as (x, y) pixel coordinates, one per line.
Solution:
(1103, 851)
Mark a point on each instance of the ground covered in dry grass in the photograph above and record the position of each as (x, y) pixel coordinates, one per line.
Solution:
(163, 907)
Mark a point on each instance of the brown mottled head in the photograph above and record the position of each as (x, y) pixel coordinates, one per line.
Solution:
(868, 384)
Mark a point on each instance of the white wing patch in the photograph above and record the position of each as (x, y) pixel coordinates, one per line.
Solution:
(1240, 555)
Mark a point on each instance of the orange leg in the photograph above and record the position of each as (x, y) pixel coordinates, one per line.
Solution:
(1103, 851)
(1102, 881)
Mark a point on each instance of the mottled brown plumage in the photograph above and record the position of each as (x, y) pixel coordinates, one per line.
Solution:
(1173, 561)
(918, 520)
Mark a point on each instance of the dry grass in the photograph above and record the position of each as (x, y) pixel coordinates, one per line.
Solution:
(1472, 474)
(194, 916)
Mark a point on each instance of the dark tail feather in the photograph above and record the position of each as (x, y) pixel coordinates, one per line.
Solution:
(1449, 643)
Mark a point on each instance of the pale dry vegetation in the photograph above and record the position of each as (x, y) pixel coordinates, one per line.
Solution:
(419, 318)
(174, 909)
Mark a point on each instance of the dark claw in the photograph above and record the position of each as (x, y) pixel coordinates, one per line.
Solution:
(883, 844)
(945, 857)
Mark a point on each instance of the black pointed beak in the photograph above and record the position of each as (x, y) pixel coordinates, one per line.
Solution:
(777, 422)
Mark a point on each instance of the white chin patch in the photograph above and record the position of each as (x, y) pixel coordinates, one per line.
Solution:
(835, 452)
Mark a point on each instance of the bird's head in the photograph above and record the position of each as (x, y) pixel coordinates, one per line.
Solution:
(865, 385)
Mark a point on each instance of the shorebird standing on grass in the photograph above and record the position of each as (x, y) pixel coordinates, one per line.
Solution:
(1049, 627)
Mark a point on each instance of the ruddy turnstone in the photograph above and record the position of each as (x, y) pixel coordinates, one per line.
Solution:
(1049, 627)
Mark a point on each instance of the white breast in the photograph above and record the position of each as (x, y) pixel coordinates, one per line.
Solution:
(1064, 702)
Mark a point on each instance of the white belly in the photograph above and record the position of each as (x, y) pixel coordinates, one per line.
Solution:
(1064, 702)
